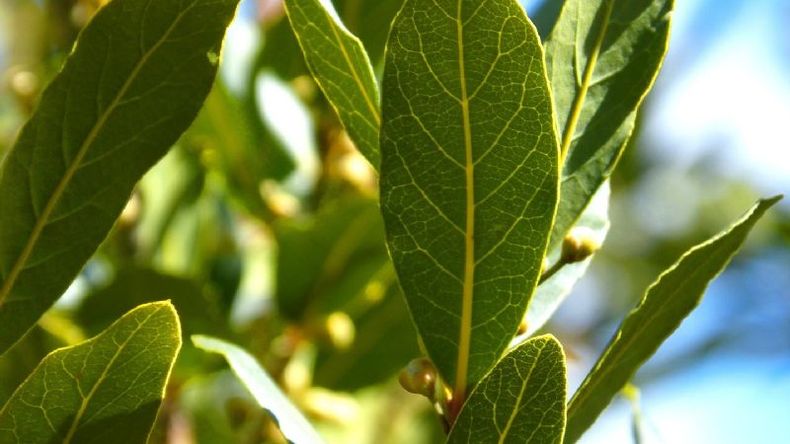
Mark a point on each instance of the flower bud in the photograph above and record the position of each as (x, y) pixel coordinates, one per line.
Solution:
(578, 245)
(419, 377)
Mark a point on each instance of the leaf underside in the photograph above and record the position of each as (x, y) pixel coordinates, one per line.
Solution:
(666, 303)
(469, 174)
(107, 389)
(522, 399)
(134, 82)
(292, 423)
(602, 57)
(341, 68)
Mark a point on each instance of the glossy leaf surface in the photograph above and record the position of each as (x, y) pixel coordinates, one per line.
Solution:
(341, 68)
(107, 389)
(666, 303)
(134, 82)
(602, 57)
(292, 423)
(469, 174)
(522, 399)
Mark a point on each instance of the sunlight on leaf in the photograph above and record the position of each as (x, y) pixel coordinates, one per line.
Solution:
(107, 389)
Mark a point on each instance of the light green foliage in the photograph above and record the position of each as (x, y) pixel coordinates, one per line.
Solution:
(135, 80)
(602, 57)
(266, 227)
(469, 174)
(522, 399)
(107, 389)
(555, 289)
(342, 69)
(329, 257)
(666, 303)
(292, 423)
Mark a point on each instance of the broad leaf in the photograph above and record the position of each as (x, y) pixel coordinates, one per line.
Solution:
(602, 57)
(522, 399)
(341, 68)
(107, 389)
(555, 289)
(137, 76)
(22, 359)
(546, 16)
(667, 302)
(469, 174)
(292, 423)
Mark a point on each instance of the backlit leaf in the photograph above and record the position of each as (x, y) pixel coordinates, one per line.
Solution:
(341, 68)
(135, 80)
(602, 57)
(292, 423)
(667, 302)
(469, 174)
(556, 288)
(522, 399)
(107, 389)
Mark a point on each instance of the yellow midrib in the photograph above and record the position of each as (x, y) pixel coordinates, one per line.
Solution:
(54, 199)
(589, 69)
(368, 100)
(516, 405)
(464, 343)
(99, 381)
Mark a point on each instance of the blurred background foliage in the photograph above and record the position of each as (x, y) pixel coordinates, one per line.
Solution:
(262, 227)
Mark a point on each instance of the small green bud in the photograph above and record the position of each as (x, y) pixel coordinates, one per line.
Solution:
(578, 245)
(419, 377)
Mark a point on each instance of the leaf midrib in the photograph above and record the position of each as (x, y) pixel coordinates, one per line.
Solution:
(465, 334)
(72, 169)
(368, 101)
(705, 260)
(372, 107)
(589, 69)
(86, 399)
(516, 405)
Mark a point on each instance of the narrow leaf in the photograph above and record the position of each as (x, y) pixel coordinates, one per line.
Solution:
(602, 57)
(667, 302)
(292, 423)
(107, 389)
(341, 68)
(469, 174)
(522, 399)
(135, 80)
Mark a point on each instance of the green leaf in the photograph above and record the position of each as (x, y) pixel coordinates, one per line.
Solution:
(666, 303)
(555, 289)
(369, 20)
(107, 389)
(22, 359)
(316, 256)
(603, 57)
(469, 175)
(136, 79)
(135, 285)
(546, 17)
(171, 185)
(341, 68)
(384, 341)
(244, 146)
(522, 399)
(292, 423)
